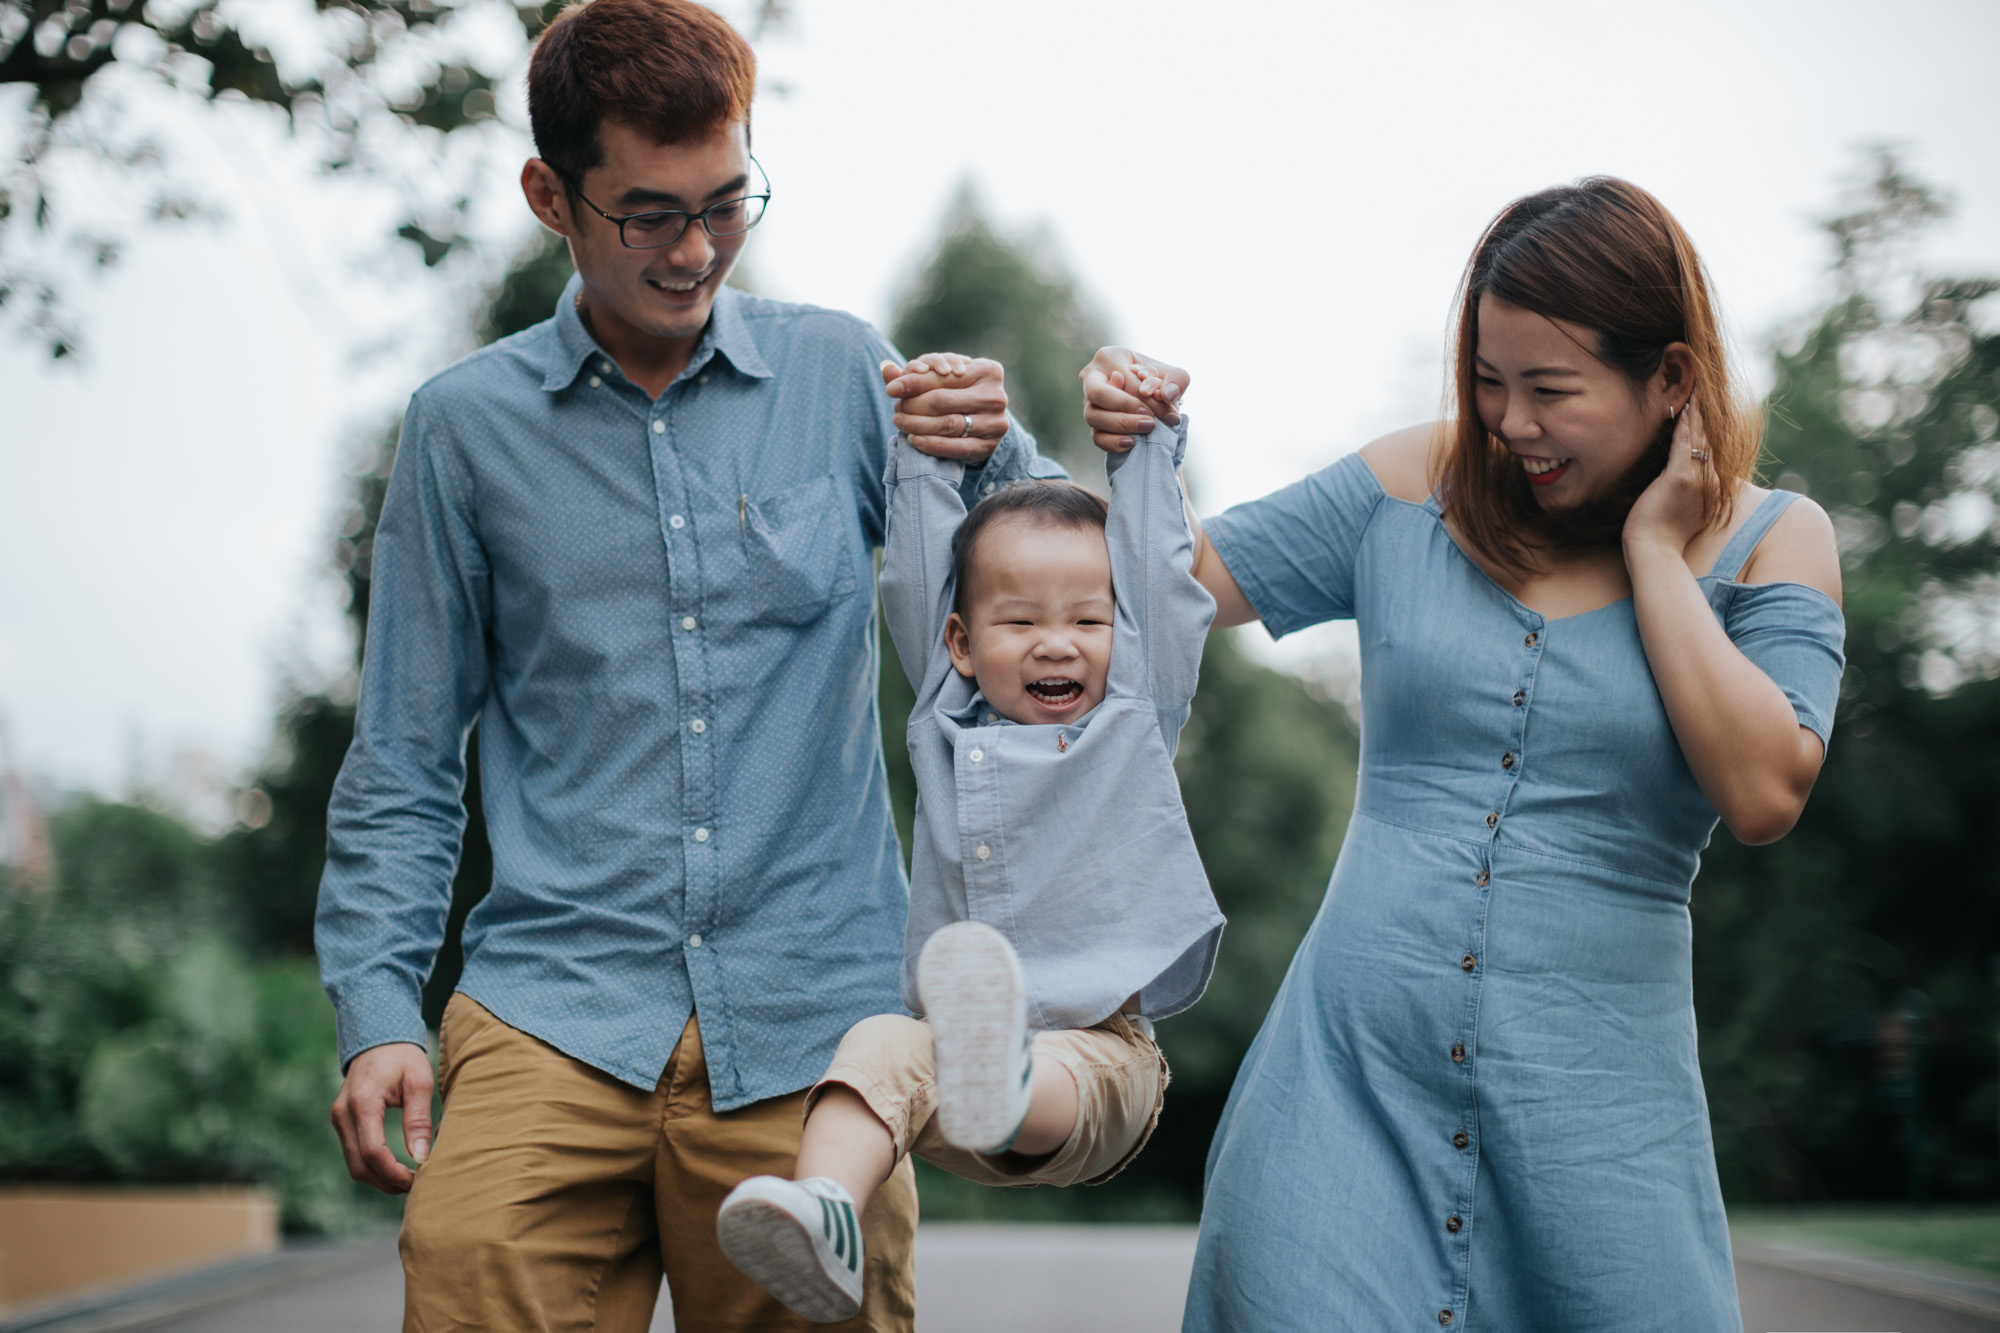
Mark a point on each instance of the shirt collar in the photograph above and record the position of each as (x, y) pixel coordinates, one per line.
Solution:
(728, 333)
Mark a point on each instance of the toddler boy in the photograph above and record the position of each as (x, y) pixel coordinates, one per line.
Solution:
(1057, 904)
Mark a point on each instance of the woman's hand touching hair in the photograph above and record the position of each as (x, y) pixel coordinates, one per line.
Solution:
(1668, 513)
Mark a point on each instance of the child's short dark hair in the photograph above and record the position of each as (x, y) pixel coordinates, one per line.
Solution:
(1057, 504)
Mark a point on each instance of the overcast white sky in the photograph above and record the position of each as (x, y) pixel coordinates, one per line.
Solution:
(1279, 196)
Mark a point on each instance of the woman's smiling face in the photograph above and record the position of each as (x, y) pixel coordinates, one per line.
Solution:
(1575, 425)
(1036, 633)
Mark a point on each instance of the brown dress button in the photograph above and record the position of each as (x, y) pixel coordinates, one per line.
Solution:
(1468, 962)
(1481, 879)
(1530, 640)
(1507, 759)
(1452, 1224)
(1444, 1316)
(1460, 1139)
(1520, 697)
(1491, 820)
(1458, 1052)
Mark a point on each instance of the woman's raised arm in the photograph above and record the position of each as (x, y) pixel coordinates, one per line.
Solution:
(1738, 729)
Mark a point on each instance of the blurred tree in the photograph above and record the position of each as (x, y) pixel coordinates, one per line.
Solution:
(1827, 962)
(139, 1043)
(374, 86)
(1013, 301)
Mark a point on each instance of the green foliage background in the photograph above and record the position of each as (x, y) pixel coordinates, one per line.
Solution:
(160, 1018)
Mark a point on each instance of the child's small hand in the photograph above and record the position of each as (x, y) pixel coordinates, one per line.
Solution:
(1123, 392)
(950, 406)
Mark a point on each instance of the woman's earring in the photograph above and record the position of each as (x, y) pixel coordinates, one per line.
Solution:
(1671, 412)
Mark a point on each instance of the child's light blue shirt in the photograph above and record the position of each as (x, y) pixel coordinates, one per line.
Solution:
(1070, 840)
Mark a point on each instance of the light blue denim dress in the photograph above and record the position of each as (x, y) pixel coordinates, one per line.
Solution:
(1476, 1101)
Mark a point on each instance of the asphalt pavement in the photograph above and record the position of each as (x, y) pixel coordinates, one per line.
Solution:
(975, 1278)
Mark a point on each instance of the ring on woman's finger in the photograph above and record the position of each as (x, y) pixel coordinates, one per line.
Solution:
(1699, 455)
(964, 425)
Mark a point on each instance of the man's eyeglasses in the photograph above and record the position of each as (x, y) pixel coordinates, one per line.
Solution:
(650, 231)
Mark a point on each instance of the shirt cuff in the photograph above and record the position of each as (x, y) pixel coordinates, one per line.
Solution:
(376, 1016)
(1014, 459)
(909, 462)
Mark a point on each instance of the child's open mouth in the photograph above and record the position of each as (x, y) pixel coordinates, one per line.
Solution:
(1055, 691)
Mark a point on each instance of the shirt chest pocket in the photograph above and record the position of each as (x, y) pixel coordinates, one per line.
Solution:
(799, 552)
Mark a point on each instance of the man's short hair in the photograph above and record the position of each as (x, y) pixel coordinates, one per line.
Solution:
(1047, 501)
(673, 70)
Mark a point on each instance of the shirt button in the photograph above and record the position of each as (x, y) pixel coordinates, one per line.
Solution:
(701, 835)
(1491, 820)
(1453, 1224)
(687, 622)
(697, 726)
(976, 756)
(1468, 962)
(1458, 1052)
(604, 366)
(1506, 760)
(987, 489)
(677, 522)
(659, 428)
(1460, 1139)
(1530, 640)
(694, 941)
(1444, 1316)
(1520, 697)
(701, 378)
(596, 383)
(992, 717)
(1482, 879)
(982, 851)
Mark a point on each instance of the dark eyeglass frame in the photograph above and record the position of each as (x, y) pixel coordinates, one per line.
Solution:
(763, 201)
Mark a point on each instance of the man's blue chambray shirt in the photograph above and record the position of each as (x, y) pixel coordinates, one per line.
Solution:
(662, 615)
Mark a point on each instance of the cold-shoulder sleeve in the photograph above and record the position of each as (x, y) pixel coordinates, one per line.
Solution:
(1795, 635)
(1293, 552)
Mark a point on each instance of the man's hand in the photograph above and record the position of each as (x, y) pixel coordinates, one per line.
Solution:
(951, 406)
(398, 1074)
(1123, 392)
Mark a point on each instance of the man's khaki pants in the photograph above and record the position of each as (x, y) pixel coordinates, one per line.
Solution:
(556, 1195)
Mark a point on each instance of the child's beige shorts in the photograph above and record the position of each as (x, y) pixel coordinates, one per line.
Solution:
(1120, 1080)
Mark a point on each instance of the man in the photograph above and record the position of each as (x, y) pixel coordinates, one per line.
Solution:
(635, 543)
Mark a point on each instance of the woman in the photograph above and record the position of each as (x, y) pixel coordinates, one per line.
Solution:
(1585, 634)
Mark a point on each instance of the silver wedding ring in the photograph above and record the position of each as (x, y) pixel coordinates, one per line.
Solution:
(964, 425)
(1699, 455)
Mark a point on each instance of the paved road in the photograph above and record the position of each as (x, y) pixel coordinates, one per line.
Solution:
(997, 1279)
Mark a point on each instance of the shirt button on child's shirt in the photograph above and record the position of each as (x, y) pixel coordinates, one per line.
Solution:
(976, 755)
(982, 851)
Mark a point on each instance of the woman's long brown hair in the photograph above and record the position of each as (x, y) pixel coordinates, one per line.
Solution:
(1608, 256)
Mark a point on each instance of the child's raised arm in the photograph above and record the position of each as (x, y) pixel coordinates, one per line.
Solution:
(924, 511)
(1163, 613)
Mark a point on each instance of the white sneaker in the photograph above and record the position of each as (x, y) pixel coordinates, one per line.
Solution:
(976, 1001)
(799, 1240)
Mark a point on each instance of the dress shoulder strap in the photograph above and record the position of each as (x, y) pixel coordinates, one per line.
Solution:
(1730, 563)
